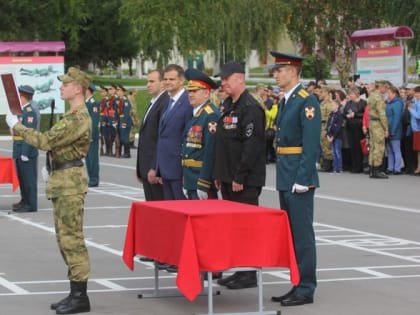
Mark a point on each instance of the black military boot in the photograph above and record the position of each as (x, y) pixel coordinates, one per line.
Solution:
(64, 301)
(377, 173)
(127, 150)
(78, 301)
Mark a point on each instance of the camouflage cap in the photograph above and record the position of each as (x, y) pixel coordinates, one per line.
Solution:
(76, 75)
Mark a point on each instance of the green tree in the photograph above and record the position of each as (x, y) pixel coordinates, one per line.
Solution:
(405, 12)
(31, 20)
(328, 25)
(229, 27)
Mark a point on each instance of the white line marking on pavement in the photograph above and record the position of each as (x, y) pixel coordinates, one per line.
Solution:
(109, 284)
(373, 272)
(12, 287)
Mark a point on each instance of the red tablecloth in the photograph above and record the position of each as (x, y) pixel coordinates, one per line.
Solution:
(209, 235)
(8, 172)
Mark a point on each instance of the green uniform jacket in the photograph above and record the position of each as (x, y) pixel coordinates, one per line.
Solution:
(94, 112)
(68, 140)
(30, 120)
(198, 147)
(298, 125)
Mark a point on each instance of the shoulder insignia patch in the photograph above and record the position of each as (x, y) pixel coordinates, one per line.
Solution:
(212, 126)
(60, 125)
(302, 93)
(208, 109)
(309, 112)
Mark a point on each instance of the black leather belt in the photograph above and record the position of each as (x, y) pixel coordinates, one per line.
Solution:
(61, 166)
(373, 119)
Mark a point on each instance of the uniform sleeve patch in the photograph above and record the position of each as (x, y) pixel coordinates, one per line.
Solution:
(60, 125)
(310, 112)
(249, 130)
(212, 126)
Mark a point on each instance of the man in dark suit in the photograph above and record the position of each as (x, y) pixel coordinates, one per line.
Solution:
(171, 128)
(26, 155)
(297, 141)
(148, 137)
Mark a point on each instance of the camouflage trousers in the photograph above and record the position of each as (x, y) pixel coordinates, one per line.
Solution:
(376, 143)
(326, 151)
(68, 220)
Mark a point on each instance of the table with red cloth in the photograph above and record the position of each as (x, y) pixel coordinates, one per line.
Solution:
(8, 172)
(209, 235)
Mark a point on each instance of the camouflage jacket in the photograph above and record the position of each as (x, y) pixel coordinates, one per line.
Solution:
(67, 140)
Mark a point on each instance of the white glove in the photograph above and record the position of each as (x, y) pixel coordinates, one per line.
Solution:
(11, 119)
(44, 173)
(202, 195)
(185, 192)
(24, 158)
(299, 189)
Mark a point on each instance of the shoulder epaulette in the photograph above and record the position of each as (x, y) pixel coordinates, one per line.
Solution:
(28, 109)
(92, 100)
(302, 93)
(208, 109)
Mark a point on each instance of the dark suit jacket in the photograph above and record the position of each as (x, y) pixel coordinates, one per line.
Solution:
(148, 137)
(171, 130)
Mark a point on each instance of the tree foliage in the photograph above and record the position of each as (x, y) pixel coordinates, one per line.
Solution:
(229, 27)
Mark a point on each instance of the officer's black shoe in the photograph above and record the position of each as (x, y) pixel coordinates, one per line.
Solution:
(146, 259)
(17, 205)
(296, 299)
(284, 296)
(162, 266)
(172, 269)
(225, 281)
(246, 279)
(78, 302)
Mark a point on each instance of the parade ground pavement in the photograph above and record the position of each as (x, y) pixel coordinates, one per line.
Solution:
(368, 248)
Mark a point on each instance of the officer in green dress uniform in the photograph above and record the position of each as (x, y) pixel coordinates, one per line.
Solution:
(26, 155)
(198, 144)
(92, 158)
(103, 119)
(297, 145)
(125, 122)
(68, 143)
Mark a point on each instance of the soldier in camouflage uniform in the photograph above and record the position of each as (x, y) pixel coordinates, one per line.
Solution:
(68, 142)
(198, 143)
(325, 107)
(378, 128)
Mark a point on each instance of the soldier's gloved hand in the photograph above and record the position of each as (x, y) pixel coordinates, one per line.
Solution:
(45, 174)
(299, 189)
(11, 119)
(185, 192)
(24, 158)
(202, 195)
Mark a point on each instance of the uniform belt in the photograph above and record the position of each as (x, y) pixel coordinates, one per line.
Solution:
(61, 166)
(289, 150)
(373, 119)
(17, 138)
(192, 163)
